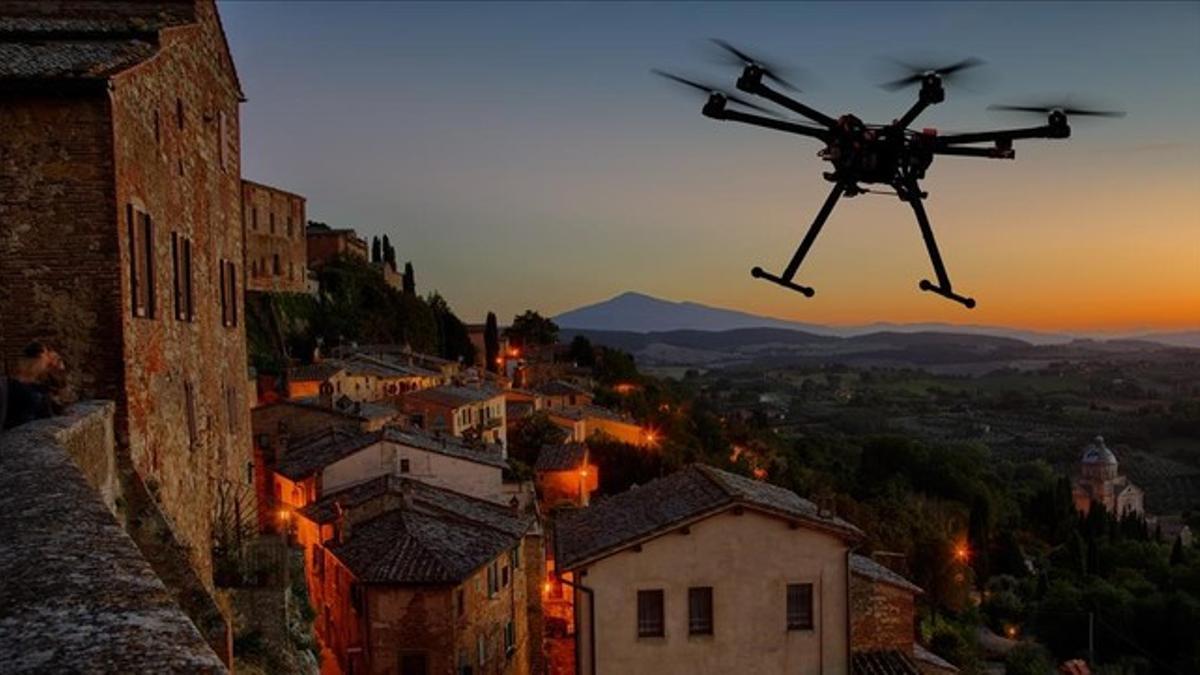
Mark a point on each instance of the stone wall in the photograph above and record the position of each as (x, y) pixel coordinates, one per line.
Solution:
(881, 616)
(76, 595)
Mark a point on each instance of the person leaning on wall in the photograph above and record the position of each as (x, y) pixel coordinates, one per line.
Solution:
(35, 388)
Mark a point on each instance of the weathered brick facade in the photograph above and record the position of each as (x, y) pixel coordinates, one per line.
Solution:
(276, 249)
(120, 197)
(881, 615)
(325, 244)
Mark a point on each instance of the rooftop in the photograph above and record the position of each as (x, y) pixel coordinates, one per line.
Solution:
(1098, 453)
(453, 396)
(560, 388)
(582, 412)
(307, 455)
(883, 662)
(689, 494)
(561, 457)
(436, 536)
(866, 567)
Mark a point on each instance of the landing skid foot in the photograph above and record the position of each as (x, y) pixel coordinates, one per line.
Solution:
(927, 285)
(760, 273)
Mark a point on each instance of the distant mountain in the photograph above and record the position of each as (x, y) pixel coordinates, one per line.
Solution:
(640, 313)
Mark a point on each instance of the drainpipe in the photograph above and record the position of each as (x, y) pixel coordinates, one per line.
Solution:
(591, 623)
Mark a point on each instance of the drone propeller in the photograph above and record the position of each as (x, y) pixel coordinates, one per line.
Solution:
(738, 57)
(709, 89)
(917, 73)
(1065, 109)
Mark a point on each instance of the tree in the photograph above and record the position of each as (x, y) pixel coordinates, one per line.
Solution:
(376, 250)
(530, 435)
(1177, 557)
(410, 283)
(582, 353)
(491, 342)
(532, 329)
(389, 252)
(1028, 658)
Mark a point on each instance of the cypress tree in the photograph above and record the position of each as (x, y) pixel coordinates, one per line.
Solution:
(491, 342)
(376, 250)
(410, 283)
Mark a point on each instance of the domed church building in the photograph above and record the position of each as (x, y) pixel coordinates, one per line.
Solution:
(1100, 481)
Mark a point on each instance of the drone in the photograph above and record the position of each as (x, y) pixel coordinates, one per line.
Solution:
(891, 155)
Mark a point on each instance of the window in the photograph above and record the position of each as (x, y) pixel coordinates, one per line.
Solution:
(278, 267)
(700, 611)
(271, 218)
(481, 648)
(318, 561)
(254, 268)
(460, 602)
(515, 556)
(249, 473)
(157, 129)
(650, 613)
(510, 638)
(799, 607)
(493, 579)
(179, 113)
(254, 218)
(228, 280)
(222, 133)
(504, 577)
(405, 467)
(181, 263)
(141, 262)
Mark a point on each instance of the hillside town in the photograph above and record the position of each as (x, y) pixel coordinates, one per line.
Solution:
(265, 450)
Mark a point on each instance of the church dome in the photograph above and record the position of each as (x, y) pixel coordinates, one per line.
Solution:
(1098, 453)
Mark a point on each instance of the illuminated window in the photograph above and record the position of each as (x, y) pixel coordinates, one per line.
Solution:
(800, 607)
(650, 613)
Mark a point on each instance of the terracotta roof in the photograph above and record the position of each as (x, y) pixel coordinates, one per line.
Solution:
(883, 662)
(447, 445)
(561, 457)
(315, 372)
(866, 567)
(436, 536)
(691, 493)
(452, 396)
(582, 412)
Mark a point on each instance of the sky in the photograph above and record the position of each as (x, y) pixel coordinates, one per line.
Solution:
(522, 155)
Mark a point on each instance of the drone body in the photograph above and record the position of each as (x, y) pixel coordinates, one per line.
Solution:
(891, 155)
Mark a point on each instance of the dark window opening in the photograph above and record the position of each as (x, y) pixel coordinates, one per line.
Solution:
(141, 262)
(650, 613)
(404, 466)
(800, 606)
(179, 113)
(700, 611)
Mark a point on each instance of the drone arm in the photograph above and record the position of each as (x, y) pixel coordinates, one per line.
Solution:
(911, 193)
(1046, 131)
(767, 122)
(916, 109)
(990, 153)
(755, 86)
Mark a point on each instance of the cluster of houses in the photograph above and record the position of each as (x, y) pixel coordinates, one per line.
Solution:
(133, 240)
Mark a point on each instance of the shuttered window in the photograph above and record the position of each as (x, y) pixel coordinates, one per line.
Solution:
(650, 613)
(700, 611)
(800, 606)
(141, 261)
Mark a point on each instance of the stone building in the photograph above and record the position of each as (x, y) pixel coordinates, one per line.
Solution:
(276, 245)
(123, 242)
(414, 579)
(325, 243)
(565, 475)
(1100, 482)
(883, 623)
(462, 411)
(704, 571)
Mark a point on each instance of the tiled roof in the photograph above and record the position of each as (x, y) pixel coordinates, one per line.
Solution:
(582, 412)
(561, 457)
(447, 445)
(923, 655)
(436, 536)
(315, 372)
(363, 410)
(309, 454)
(305, 456)
(559, 388)
(422, 495)
(866, 567)
(81, 41)
(385, 366)
(692, 492)
(883, 662)
(452, 396)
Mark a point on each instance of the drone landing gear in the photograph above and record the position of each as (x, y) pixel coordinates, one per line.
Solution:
(912, 194)
(785, 279)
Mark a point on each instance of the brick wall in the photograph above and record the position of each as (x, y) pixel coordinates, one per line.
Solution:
(276, 250)
(323, 246)
(881, 616)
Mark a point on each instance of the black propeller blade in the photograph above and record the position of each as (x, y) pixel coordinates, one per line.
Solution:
(740, 58)
(917, 73)
(709, 89)
(1066, 109)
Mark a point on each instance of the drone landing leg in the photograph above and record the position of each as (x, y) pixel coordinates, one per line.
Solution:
(789, 272)
(911, 193)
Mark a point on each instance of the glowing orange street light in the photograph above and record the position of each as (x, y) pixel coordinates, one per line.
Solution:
(1011, 632)
(651, 437)
(546, 588)
(962, 553)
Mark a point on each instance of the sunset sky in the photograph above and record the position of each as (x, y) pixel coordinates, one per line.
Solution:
(521, 155)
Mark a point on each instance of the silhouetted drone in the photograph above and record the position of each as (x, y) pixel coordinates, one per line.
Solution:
(890, 154)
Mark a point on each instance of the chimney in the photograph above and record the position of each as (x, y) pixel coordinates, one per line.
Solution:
(341, 525)
(406, 494)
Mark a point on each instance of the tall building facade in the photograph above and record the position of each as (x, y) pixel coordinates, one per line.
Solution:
(276, 246)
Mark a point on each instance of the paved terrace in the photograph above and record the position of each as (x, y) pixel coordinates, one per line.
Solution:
(76, 595)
